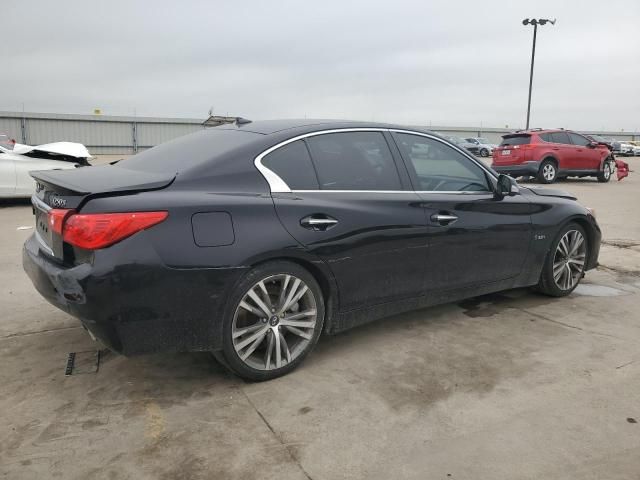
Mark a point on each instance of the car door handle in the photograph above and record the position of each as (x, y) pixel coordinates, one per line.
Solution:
(318, 222)
(443, 218)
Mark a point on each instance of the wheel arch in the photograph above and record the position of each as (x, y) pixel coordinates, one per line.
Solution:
(552, 157)
(321, 274)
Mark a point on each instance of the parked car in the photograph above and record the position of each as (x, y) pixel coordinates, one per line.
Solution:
(552, 154)
(250, 240)
(481, 146)
(461, 142)
(625, 148)
(635, 147)
(17, 160)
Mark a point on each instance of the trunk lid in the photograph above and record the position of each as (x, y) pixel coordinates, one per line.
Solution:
(58, 191)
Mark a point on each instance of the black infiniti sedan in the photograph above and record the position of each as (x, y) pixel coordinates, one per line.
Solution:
(251, 240)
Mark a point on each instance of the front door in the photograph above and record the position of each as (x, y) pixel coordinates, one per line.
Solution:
(350, 208)
(474, 238)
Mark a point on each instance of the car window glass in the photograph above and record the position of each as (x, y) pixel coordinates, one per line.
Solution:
(353, 161)
(292, 163)
(440, 167)
(515, 140)
(560, 137)
(579, 139)
(546, 137)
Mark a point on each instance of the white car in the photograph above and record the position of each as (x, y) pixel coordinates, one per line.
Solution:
(480, 146)
(17, 160)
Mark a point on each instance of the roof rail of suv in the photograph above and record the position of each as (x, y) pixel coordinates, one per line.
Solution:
(530, 130)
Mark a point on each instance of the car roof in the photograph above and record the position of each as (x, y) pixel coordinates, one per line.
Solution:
(267, 127)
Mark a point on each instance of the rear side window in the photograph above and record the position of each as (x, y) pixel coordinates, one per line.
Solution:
(516, 140)
(560, 137)
(292, 163)
(546, 137)
(579, 139)
(353, 161)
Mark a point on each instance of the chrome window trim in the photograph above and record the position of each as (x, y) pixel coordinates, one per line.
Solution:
(278, 185)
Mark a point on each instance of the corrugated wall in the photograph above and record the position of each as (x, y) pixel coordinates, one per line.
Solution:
(106, 135)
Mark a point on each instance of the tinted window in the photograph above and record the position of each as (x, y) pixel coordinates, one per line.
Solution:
(189, 151)
(439, 167)
(516, 140)
(579, 139)
(353, 161)
(560, 137)
(293, 164)
(546, 137)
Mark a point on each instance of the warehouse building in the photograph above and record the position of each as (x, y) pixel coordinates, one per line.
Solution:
(121, 135)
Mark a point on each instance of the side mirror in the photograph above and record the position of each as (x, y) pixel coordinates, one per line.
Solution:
(506, 186)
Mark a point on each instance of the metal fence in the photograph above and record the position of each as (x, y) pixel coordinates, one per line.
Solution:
(106, 135)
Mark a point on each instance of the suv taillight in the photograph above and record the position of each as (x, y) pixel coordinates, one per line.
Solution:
(92, 231)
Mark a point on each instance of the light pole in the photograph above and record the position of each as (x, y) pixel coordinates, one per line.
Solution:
(535, 23)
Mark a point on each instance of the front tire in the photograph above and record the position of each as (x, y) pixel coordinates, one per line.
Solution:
(484, 152)
(564, 266)
(548, 171)
(605, 175)
(274, 319)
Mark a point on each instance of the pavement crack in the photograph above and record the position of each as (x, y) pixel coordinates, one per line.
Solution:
(48, 330)
(287, 446)
(567, 325)
(625, 364)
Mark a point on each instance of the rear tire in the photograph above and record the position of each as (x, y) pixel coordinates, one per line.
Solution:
(484, 152)
(605, 175)
(548, 171)
(564, 266)
(273, 320)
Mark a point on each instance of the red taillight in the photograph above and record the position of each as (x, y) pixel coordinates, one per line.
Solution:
(56, 217)
(98, 230)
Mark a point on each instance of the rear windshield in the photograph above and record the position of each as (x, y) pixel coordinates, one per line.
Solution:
(516, 140)
(188, 151)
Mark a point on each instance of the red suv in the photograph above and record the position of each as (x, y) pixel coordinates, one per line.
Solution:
(552, 154)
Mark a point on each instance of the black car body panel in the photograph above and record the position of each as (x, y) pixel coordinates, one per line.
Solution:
(167, 288)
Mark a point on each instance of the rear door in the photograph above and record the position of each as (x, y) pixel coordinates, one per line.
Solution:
(352, 207)
(564, 151)
(474, 238)
(7, 175)
(587, 158)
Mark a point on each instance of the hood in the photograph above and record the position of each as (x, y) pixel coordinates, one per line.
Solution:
(550, 192)
(69, 149)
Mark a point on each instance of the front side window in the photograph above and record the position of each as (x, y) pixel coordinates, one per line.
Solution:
(439, 167)
(579, 140)
(353, 161)
(293, 165)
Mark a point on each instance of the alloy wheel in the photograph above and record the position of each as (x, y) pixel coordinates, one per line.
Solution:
(274, 322)
(548, 172)
(606, 170)
(568, 261)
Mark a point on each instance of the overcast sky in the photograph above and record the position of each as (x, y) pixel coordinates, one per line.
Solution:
(462, 63)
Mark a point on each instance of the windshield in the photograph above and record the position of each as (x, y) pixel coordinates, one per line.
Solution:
(484, 140)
